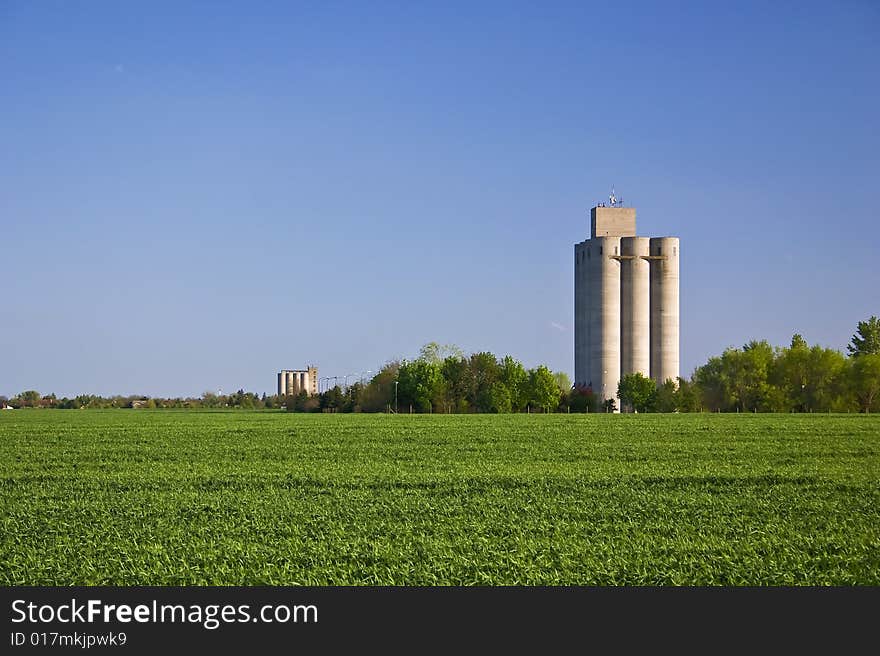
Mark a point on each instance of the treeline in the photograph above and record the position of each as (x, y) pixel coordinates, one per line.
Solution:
(239, 399)
(761, 378)
(755, 378)
(443, 380)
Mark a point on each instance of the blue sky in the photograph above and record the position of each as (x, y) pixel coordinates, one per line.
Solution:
(195, 195)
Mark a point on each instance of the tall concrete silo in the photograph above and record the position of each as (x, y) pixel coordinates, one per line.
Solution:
(581, 315)
(604, 292)
(635, 306)
(626, 302)
(664, 309)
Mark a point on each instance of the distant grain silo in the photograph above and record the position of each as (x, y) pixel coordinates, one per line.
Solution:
(293, 381)
(626, 303)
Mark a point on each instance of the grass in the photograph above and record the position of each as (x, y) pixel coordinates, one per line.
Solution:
(251, 498)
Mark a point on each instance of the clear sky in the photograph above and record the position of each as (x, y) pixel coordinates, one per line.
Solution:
(194, 195)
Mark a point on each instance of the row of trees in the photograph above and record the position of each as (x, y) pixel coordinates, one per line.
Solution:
(442, 379)
(761, 378)
(239, 399)
(755, 378)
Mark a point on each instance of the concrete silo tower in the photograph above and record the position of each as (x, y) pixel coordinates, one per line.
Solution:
(626, 303)
(635, 306)
(294, 381)
(664, 309)
(604, 283)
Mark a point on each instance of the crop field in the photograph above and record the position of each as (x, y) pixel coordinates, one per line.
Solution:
(131, 497)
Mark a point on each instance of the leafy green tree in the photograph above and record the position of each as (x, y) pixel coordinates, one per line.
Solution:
(210, 400)
(420, 384)
(516, 379)
(866, 341)
(483, 368)
(437, 353)
(457, 378)
(808, 379)
(543, 390)
(790, 373)
(332, 400)
(826, 380)
(563, 382)
(711, 381)
(378, 395)
(637, 392)
(85, 401)
(500, 395)
(295, 402)
(745, 373)
(687, 396)
(27, 399)
(665, 398)
(865, 381)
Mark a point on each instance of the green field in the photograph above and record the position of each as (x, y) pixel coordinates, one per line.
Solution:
(245, 498)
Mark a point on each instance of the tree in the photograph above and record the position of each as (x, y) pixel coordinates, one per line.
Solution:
(28, 399)
(543, 391)
(500, 395)
(582, 399)
(745, 373)
(790, 373)
(865, 381)
(826, 380)
(483, 371)
(420, 384)
(665, 398)
(687, 396)
(515, 378)
(636, 391)
(563, 382)
(331, 400)
(436, 353)
(457, 382)
(378, 395)
(711, 381)
(866, 341)
(210, 400)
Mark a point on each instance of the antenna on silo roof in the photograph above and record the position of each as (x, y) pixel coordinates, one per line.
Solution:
(615, 201)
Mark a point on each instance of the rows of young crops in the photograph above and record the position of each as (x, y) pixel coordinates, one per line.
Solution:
(235, 498)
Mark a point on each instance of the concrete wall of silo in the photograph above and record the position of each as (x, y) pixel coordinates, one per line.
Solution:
(635, 307)
(665, 254)
(604, 281)
(582, 314)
